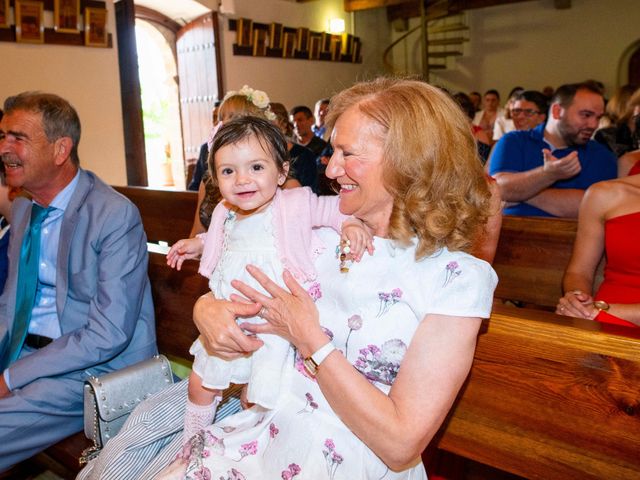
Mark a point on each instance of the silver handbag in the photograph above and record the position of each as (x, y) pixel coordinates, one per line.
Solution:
(110, 398)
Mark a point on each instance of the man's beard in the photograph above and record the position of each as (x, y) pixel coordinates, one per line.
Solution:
(574, 137)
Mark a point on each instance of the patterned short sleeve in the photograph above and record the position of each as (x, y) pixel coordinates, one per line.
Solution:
(463, 287)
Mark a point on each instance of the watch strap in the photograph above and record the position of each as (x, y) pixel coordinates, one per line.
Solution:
(312, 362)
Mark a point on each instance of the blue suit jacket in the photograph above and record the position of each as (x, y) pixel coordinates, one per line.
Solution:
(103, 295)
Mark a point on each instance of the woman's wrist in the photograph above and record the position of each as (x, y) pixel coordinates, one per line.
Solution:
(313, 344)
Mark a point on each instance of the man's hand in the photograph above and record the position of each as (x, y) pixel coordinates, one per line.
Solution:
(4, 390)
(561, 168)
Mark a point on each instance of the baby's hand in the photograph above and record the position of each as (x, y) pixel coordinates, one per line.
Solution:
(357, 237)
(185, 249)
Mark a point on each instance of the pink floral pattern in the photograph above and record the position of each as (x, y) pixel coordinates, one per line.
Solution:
(291, 471)
(388, 300)
(331, 457)
(315, 291)
(451, 273)
(381, 364)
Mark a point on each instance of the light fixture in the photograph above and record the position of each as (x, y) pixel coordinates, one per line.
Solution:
(336, 25)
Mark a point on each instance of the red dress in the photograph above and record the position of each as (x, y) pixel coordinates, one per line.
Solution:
(622, 272)
(635, 169)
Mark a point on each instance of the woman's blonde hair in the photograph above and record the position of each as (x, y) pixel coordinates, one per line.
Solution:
(431, 167)
(238, 105)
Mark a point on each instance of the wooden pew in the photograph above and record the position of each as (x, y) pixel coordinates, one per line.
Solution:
(531, 258)
(550, 397)
(167, 214)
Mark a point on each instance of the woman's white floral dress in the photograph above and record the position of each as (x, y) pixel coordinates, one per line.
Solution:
(371, 313)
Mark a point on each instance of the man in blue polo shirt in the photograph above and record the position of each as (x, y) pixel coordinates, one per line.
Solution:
(545, 171)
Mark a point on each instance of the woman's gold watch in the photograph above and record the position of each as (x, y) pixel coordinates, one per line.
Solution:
(601, 305)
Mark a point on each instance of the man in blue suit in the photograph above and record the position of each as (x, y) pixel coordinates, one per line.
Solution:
(92, 310)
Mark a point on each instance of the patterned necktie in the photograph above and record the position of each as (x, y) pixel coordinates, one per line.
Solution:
(27, 283)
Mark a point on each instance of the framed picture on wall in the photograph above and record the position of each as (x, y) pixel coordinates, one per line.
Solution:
(4, 13)
(259, 43)
(275, 35)
(95, 27)
(29, 21)
(289, 44)
(315, 42)
(244, 34)
(66, 16)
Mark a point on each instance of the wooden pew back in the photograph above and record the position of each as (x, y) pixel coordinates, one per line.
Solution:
(167, 215)
(531, 258)
(551, 397)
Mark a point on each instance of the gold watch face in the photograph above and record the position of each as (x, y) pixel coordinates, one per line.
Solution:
(601, 305)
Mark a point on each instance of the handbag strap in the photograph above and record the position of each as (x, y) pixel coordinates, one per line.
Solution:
(90, 453)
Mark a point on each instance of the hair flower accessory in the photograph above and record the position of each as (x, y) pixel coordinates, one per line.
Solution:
(259, 98)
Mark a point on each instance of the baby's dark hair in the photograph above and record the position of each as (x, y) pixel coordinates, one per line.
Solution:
(267, 134)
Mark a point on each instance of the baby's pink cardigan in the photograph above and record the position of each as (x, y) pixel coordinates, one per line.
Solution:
(295, 212)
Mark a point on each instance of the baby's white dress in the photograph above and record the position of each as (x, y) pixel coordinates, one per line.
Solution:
(249, 240)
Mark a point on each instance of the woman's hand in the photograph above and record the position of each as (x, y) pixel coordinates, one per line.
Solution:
(185, 249)
(216, 321)
(356, 236)
(291, 315)
(576, 303)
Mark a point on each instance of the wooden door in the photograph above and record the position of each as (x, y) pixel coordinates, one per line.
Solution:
(200, 79)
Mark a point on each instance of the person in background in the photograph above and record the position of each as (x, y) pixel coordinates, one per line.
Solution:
(201, 163)
(491, 110)
(319, 128)
(483, 142)
(623, 112)
(77, 301)
(302, 120)
(504, 124)
(476, 100)
(529, 109)
(548, 92)
(545, 171)
(303, 162)
(609, 224)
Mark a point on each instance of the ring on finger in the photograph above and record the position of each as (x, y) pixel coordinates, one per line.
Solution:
(262, 312)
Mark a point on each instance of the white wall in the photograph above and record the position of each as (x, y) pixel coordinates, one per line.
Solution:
(89, 79)
(292, 81)
(533, 44)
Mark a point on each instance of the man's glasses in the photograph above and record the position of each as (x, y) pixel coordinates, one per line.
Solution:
(527, 112)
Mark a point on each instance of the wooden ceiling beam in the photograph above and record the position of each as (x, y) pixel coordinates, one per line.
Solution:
(355, 5)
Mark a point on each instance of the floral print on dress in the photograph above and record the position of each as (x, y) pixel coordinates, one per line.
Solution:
(311, 405)
(381, 364)
(246, 449)
(451, 273)
(291, 471)
(331, 457)
(314, 291)
(299, 361)
(354, 323)
(233, 474)
(388, 300)
(195, 450)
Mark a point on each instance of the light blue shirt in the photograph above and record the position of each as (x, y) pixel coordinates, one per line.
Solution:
(44, 316)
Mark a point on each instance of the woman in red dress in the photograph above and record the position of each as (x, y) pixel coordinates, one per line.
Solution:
(609, 222)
